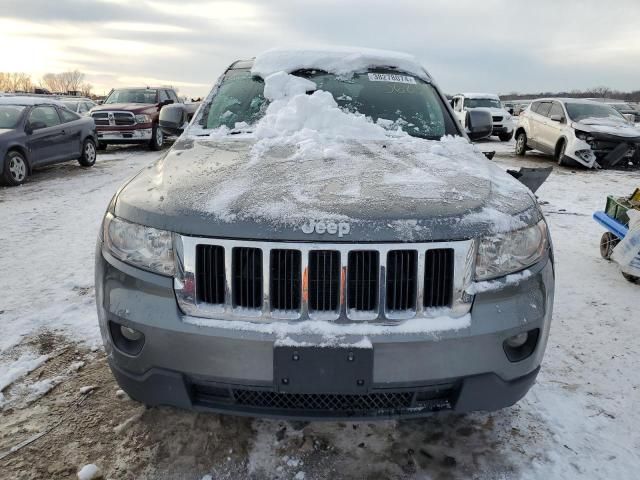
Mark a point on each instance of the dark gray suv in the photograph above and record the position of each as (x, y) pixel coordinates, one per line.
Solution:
(285, 258)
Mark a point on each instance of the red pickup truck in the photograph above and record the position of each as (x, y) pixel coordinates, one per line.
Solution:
(130, 115)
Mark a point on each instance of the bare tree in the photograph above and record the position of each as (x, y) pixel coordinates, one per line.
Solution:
(63, 82)
(602, 92)
(15, 81)
(86, 88)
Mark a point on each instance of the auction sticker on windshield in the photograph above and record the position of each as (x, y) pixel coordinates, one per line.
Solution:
(391, 77)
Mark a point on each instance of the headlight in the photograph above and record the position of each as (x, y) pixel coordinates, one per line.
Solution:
(140, 246)
(143, 118)
(506, 253)
(587, 137)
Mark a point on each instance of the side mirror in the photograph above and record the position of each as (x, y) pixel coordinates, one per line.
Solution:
(557, 118)
(630, 117)
(479, 124)
(172, 119)
(166, 102)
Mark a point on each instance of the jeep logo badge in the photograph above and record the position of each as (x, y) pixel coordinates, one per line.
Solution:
(341, 228)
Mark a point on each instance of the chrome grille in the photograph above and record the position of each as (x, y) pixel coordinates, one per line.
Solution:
(266, 281)
(324, 280)
(401, 280)
(362, 281)
(438, 278)
(109, 118)
(210, 277)
(247, 277)
(285, 280)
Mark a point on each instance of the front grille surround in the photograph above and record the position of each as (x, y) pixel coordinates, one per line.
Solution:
(185, 282)
(113, 118)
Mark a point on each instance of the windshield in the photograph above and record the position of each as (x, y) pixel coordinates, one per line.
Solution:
(71, 105)
(395, 100)
(622, 106)
(138, 95)
(581, 111)
(482, 103)
(10, 115)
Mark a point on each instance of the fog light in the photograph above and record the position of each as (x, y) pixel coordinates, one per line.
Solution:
(130, 333)
(517, 340)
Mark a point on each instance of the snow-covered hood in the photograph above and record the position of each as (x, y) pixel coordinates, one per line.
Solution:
(608, 126)
(414, 190)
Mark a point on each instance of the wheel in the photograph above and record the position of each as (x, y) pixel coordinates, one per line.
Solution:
(157, 138)
(607, 243)
(631, 278)
(505, 137)
(102, 146)
(14, 171)
(88, 157)
(562, 146)
(521, 144)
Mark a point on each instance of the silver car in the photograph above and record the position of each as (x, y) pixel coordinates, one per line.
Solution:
(392, 307)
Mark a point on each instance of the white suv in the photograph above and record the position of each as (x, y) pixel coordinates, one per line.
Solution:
(593, 134)
(502, 123)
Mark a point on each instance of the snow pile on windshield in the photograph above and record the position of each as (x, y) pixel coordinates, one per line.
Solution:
(341, 61)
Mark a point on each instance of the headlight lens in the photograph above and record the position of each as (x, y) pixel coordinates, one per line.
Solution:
(506, 253)
(141, 246)
(143, 118)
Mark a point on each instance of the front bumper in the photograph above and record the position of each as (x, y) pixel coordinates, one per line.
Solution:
(141, 135)
(499, 129)
(232, 370)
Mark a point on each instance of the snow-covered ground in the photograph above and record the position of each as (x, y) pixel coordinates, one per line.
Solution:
(580, 421)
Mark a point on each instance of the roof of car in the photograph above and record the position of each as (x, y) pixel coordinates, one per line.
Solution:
(342, 61)
(26, 100)
(480, 95)
(566, 99)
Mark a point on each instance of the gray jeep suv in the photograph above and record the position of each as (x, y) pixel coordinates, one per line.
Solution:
(307, 276)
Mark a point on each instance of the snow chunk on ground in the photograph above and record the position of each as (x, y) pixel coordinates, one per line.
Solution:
(342, 61)
(18, 369)
(89, 472)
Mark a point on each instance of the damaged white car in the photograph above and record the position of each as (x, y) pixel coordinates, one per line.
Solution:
(585, 132)
(502, 120)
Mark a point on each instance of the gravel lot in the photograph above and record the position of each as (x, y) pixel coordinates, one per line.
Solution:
(580, 421)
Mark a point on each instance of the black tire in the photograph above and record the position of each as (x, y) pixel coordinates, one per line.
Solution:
(560, 149)
(521, 144)
(505, 137)
(608, 242)
(88, 157)
(631, 278)
(14, 169)
(101, 146)
(157, 138)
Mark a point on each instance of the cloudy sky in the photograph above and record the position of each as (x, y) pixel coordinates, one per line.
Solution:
(468, 45)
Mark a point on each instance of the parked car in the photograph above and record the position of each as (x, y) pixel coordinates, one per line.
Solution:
(576, 131)
(130, 116)
(36, 131)
(502, 122)
(80, 105)
(287, 258)
(626, 109)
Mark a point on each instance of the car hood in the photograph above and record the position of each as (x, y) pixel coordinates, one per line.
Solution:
(607, 126)
(129, 107)
(236, 188)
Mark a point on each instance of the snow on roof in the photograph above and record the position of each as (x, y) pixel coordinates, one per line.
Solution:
(343, 61)
(481, 95)
(25, 100)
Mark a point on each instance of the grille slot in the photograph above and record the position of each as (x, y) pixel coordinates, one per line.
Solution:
(497, 119)
(401, 280)
(362, 280)
(122, 119)
(247, 277)
(323, 402)
(438, 277)
(210, 281)
(284, 288)
(324, 280)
